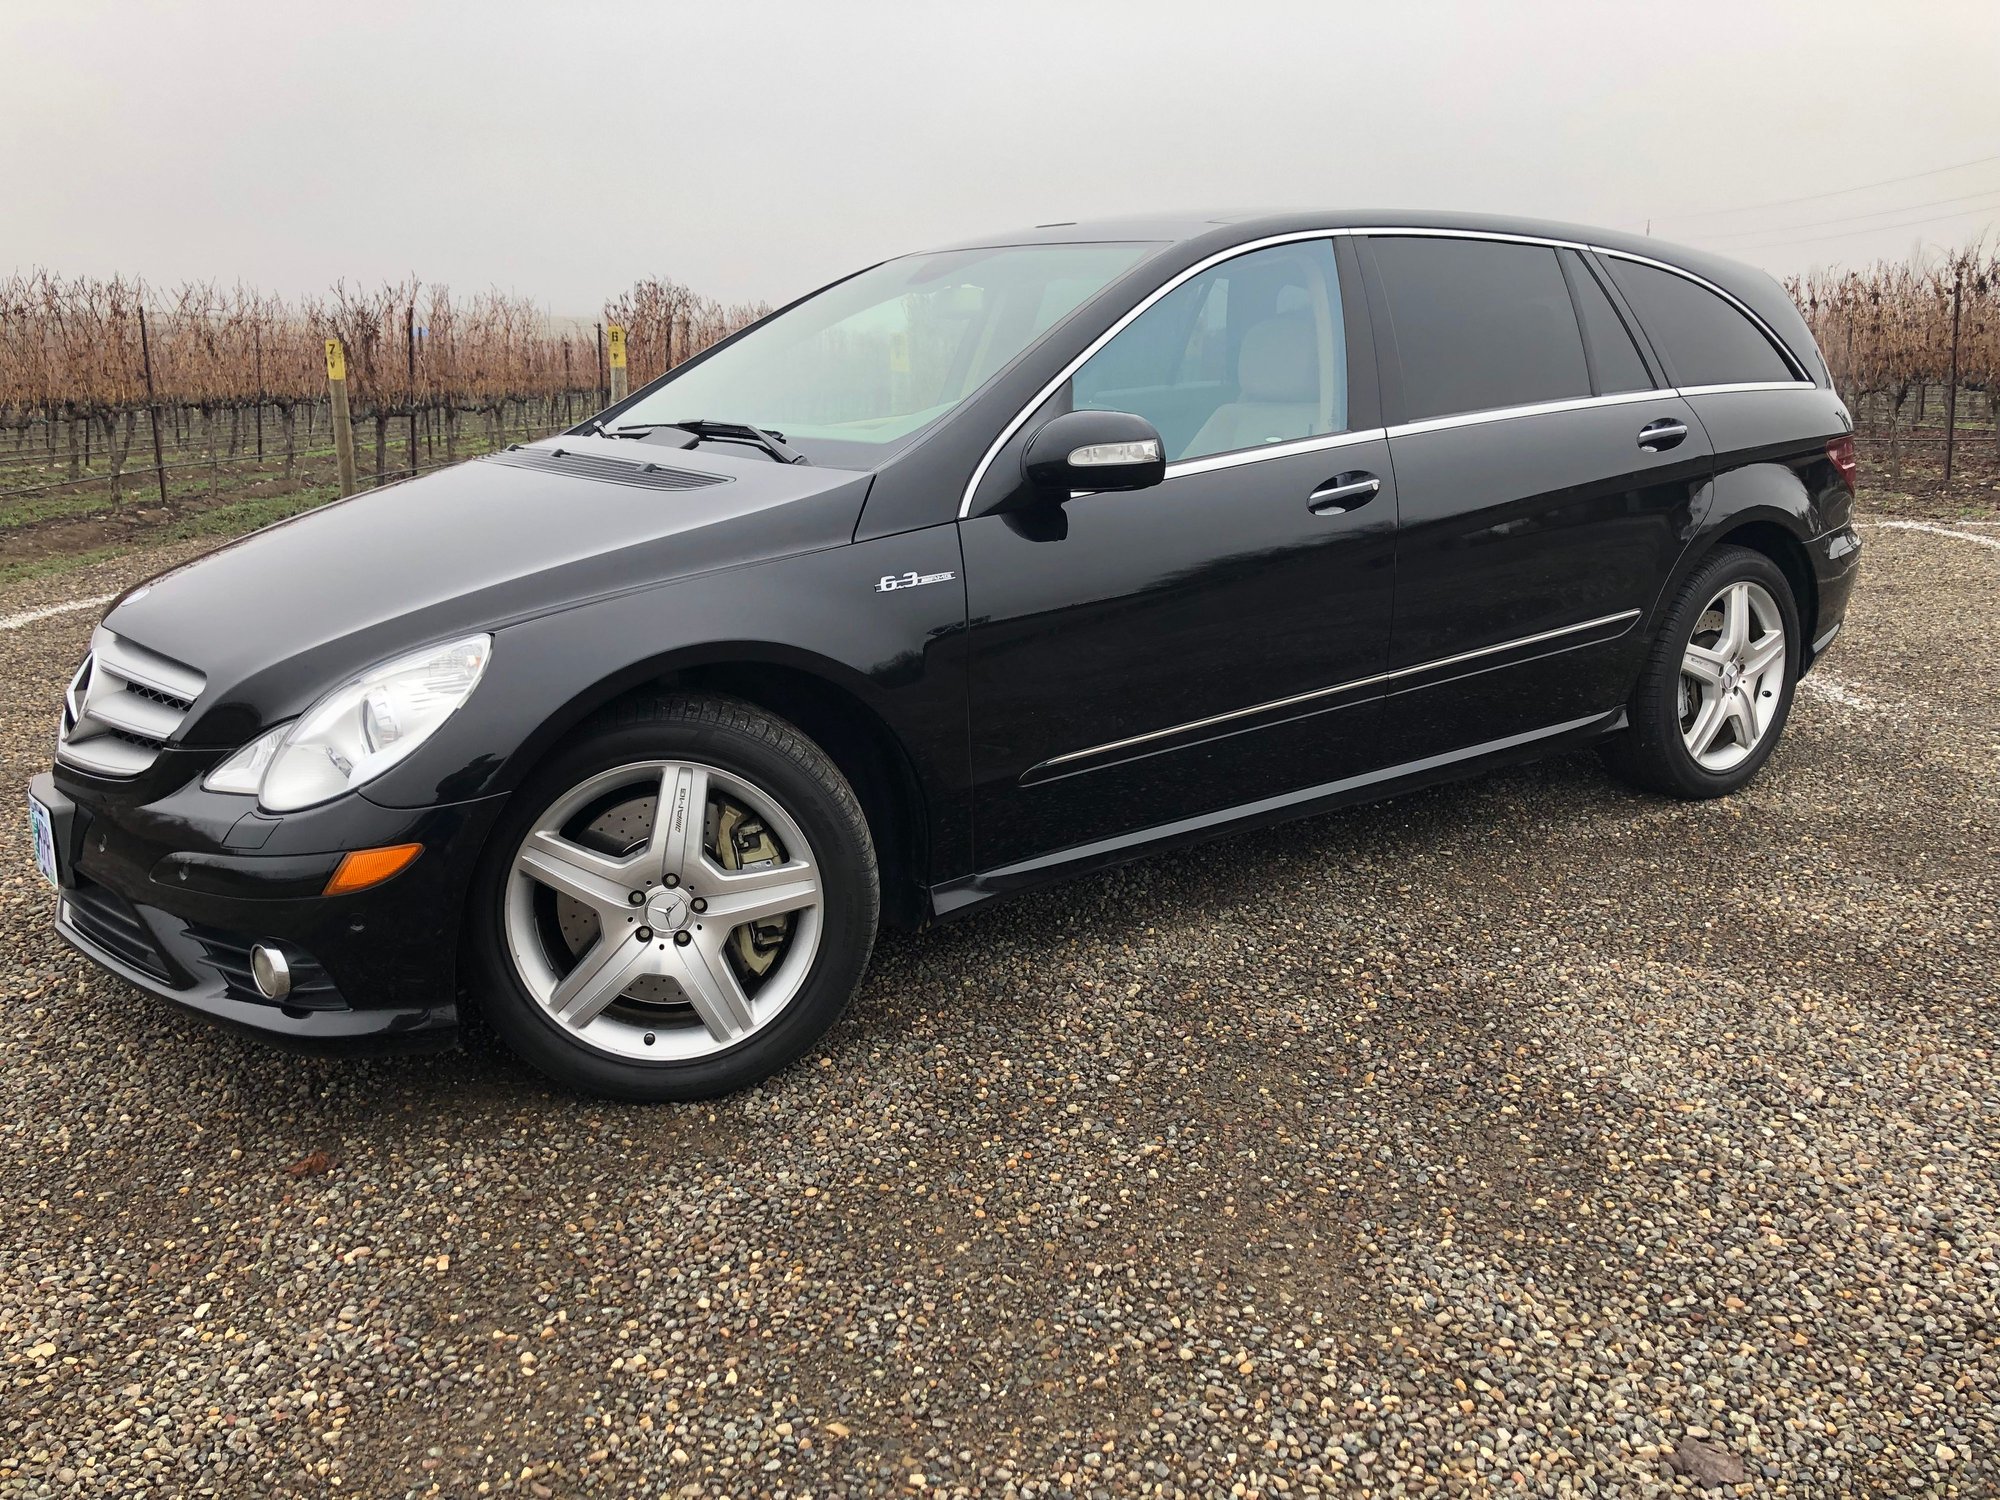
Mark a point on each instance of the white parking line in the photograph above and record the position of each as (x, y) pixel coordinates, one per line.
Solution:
(28, 617)
(1963, 536)
(1833, 690)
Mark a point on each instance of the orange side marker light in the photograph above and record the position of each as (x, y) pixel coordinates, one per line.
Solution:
(362, 868)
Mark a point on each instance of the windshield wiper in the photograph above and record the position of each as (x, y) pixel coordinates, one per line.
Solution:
(703, 429)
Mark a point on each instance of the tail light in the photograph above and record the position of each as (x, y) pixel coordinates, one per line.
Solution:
(1840, 453)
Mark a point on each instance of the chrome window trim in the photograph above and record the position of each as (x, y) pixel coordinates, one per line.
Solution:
(1466, 234)
(1534, 409)
(1747, 385)
(1623, 617)
(1238, 456)
(1334, 440)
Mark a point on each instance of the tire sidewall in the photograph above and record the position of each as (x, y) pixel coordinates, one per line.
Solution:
(848, 909)
(1731, 565)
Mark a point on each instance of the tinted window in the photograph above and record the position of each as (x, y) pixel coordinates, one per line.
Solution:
(1614, 358)
(1249, 352)
(862, 366)
(1703, 339)
(1479, 324)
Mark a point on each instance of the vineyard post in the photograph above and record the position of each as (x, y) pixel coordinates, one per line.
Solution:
(602, 388)
(410, 345)
(614, 344)
(1951, 390)
(152, 407)
(343, 424)
(257, 344)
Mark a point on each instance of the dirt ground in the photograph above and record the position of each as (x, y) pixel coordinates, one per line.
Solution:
(1523, 1136)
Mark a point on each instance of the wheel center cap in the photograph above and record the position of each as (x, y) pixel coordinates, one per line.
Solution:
(1730, 675)
(668, 909)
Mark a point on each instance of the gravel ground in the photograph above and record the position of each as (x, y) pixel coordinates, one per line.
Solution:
(1524, 1136)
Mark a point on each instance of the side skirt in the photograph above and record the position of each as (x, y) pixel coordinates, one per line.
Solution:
(955, 897)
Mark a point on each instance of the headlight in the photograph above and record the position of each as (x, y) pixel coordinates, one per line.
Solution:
(357, 731)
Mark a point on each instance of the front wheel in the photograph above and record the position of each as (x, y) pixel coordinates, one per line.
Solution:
(1716, 689)
(678, 905)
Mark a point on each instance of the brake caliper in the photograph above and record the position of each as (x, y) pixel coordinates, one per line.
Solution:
(741, 840)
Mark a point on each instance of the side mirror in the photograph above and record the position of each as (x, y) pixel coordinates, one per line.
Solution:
(1094, 450)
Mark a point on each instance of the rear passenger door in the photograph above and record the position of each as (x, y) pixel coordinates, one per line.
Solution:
(1545, 482)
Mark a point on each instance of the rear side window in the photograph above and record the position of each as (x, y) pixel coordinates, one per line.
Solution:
(1703, 339)
(1479, 324)
(1614, 358)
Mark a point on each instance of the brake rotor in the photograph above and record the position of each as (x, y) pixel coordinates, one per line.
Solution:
(735, 839)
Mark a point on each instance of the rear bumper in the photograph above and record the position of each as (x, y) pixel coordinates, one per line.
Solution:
(1836, 562)
(154, 894)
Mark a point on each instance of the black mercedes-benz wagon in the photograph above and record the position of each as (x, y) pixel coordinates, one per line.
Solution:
(976, 569)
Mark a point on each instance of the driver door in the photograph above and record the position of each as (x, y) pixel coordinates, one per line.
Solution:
(1150, 656)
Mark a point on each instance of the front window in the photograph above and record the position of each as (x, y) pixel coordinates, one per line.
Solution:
(1250, 352)
(854, 373)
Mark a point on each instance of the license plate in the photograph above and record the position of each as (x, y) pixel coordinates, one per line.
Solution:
(44, 828)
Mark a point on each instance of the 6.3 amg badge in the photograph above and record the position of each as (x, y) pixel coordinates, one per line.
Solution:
(890, 582)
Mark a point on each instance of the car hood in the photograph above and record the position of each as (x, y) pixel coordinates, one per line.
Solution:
(278, 617)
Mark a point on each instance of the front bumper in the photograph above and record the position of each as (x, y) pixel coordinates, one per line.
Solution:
(172, 895)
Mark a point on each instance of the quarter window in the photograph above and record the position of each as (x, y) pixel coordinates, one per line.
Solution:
(1703, 339)
(1479, 324)
(1250, 352)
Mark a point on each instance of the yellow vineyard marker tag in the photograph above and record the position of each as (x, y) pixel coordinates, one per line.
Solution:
(899, 353)
(336, 360)
(614, 343)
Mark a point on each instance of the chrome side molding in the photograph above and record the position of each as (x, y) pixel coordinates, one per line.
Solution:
(1052, 767)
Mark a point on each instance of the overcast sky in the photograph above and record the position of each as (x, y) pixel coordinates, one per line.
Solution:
(754, 150)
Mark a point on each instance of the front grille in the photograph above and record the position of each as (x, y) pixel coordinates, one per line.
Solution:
(649, 476)
(112, 923)
(229, 956)
(122, 707)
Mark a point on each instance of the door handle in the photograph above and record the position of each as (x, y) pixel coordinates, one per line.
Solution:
(1657, 437)
(1343, 493)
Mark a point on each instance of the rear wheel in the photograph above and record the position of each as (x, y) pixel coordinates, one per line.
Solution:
(678, 905)
(1715, 692)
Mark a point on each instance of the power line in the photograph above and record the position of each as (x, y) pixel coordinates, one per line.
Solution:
(1841, 234)
(1709, 213)
(1882, 213)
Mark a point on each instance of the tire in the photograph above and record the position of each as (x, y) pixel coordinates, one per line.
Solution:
(636, 1001)
(1657, 753)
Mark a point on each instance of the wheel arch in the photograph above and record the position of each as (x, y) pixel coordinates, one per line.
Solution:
(815, 694)
(1769, 532)
(1784, 547)
(1765, 509)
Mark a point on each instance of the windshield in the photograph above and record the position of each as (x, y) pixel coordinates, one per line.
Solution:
(857, 371)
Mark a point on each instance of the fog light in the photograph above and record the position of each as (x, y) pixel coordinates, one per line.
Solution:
(272, 973)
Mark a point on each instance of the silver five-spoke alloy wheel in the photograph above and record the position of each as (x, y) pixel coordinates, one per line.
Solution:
(664, 911)
(1732, 676)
